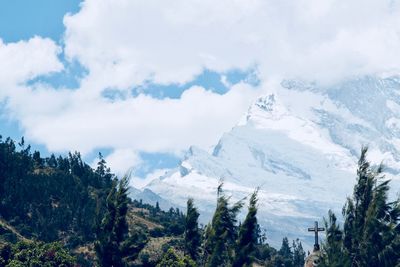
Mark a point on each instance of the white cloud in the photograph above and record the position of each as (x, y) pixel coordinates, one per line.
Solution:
(142, 123)
(168, 42)
(171, 41)
(140, 183)
(122, 160)
(25, 60)
(123, 43)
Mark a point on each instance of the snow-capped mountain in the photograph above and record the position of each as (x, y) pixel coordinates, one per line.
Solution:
(299, 144)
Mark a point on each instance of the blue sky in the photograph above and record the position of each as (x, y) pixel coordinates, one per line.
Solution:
(141, 83)
(21, 20)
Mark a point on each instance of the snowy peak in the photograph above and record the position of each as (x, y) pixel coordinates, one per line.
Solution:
(300, 145)
(264, 107)
(337, 119)
(266, 103)
(294, 114)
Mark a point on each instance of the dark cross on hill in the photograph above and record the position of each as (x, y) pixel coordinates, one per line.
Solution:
(316, 229)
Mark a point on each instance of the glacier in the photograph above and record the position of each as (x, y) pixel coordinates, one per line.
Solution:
(299, 143)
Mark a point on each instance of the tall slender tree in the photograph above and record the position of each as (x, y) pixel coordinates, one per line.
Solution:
(248, 235)
(371, 230)
(223, 232)
(333, 254)
(192, 232)
(298, 253)
(114, 228)
(371, 237)
(286, 253)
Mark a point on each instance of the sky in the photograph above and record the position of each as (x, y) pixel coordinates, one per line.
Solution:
(142, 81)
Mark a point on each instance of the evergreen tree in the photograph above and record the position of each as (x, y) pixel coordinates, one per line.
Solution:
(52, 161)
(38, 162)
(286, 253)
(104, 172)
(371, 222)
(333, 254)
(43, 199)
(298, 254)
(192, 233)
(223, 232)
(248, 235)
(114, 228)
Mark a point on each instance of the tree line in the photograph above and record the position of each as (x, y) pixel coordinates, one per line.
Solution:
(370, 235)
(223, 242)
(52, 198)
(60, 204)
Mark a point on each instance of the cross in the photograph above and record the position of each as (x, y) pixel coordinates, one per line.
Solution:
(316, 229)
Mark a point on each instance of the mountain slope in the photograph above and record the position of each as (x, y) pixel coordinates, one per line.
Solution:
(7, 228)
(299, 144)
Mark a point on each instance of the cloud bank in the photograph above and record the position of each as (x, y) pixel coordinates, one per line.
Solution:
(127, 43)
(173, 41)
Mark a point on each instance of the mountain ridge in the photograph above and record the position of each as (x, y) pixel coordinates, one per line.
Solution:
(299, 143)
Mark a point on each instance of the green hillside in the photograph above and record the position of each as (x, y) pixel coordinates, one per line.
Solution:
(58, 211)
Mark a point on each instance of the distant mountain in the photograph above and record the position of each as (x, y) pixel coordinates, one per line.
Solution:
(149, 197)
(299, 144)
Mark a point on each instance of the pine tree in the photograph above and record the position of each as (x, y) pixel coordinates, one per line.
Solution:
(192, 233)
(38, 162)
(223, 232)
(248, 235)
(114, 228)
(371, 227)
(333, 254)
(286, 253)
(52, 161)
(298, 254)
(382, 240)
(104, 172)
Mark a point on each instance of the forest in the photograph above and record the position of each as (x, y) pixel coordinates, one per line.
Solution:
(59, 211)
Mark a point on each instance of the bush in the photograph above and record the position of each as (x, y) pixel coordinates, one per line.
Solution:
(171, 259)
(36, 254)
